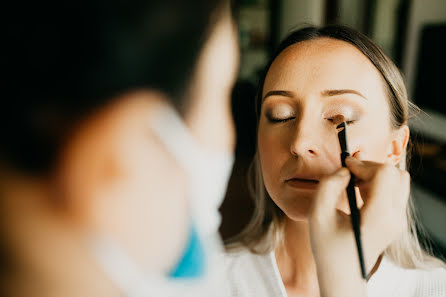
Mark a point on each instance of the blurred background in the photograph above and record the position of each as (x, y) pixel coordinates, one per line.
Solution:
(411, 32)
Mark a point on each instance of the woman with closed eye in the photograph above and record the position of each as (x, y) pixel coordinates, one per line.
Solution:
(300, 238)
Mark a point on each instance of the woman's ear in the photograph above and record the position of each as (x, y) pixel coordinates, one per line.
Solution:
(398, 145)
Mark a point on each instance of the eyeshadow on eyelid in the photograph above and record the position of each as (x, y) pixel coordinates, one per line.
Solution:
(282, 115)
(348, 112)
(279, 106)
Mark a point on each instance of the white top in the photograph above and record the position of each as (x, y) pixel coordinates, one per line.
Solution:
(251, 275)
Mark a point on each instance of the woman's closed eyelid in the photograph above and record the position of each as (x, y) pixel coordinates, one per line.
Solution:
(279, 118)
(348, 112)
(280, 112)
(283, 112)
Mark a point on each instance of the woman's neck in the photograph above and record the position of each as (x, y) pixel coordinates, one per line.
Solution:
(295, 260)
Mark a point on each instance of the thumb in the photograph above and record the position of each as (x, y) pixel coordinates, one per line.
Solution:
(330, 189)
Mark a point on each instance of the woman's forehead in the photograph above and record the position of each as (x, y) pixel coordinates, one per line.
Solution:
(323, 63)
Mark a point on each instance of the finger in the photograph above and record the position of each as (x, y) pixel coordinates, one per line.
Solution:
(358, 155)
(330, 189)
(364, 170)
(389, 192)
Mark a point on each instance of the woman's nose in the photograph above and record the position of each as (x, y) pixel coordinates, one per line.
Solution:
(306, 141)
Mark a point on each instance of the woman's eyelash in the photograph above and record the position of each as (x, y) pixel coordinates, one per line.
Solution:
(348, 122)
(272, 119)
(275, 120)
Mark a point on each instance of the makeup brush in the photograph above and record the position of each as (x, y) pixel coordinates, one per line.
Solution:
(354, 212)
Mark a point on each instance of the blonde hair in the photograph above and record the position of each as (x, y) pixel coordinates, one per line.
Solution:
(265, 232)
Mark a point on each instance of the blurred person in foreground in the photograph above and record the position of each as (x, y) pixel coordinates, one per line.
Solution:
(98, 173)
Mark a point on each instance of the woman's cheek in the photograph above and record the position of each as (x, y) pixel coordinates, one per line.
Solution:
(365, 143)
(273, 155)
(371, 149)
(371, 136)
(268, 154)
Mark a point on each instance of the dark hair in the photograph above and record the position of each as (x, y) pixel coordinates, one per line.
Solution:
(60, 60)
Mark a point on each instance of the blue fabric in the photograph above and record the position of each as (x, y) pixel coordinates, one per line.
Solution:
(193, 261)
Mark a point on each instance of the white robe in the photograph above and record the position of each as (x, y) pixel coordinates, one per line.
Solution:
(251, 275)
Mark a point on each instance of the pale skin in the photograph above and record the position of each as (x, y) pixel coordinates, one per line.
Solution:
(309, 84)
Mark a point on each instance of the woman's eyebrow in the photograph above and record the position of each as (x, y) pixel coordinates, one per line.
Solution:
(279, 93)
(328, 93)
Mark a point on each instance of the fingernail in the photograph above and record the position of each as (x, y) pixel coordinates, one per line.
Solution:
(357, 155)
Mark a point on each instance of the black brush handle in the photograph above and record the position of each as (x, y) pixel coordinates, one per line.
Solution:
(355, 217)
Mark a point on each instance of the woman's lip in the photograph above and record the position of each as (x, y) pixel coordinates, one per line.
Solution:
(305, 184)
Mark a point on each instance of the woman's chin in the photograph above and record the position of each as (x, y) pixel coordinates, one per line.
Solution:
(298, 213)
